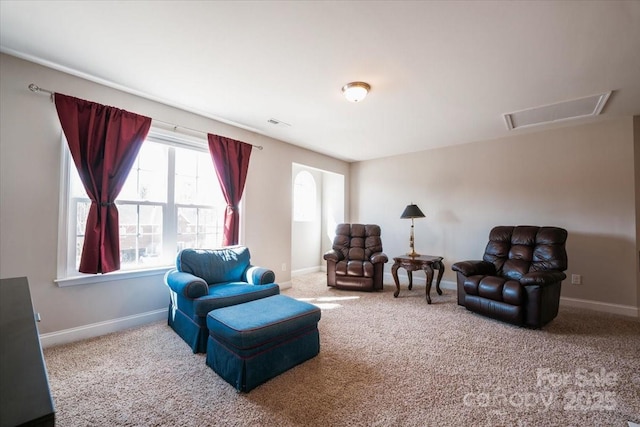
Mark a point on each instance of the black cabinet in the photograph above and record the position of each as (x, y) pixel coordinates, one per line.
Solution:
(25, 398)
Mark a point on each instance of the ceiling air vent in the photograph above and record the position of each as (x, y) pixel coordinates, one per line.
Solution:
(278, 122)
(583, 107)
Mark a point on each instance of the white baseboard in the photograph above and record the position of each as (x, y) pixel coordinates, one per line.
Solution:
(447, 284)
(101, 328)
(418, 280)
(285, 285)
(114, 325)
(625, 310)
(307, 270)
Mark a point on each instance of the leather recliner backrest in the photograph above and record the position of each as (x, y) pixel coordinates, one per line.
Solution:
(518, 250)
(357, 241)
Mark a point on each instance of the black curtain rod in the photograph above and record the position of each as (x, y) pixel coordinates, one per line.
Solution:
(35, 88)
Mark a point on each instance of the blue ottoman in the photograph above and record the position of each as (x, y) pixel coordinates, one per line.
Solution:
(252, 342)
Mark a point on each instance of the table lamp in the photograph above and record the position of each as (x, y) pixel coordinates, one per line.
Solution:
(412, 211)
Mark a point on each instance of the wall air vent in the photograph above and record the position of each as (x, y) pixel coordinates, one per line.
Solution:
(583, 107)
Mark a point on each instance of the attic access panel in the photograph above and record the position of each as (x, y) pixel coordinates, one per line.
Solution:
(567, 110)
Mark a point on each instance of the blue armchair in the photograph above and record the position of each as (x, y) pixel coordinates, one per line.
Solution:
(206, 279)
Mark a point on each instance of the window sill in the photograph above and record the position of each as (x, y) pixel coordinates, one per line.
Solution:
(109, 277)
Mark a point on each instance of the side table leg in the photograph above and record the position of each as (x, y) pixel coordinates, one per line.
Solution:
(429, 271)
(410, 275)
(394, 273)
(440, 267)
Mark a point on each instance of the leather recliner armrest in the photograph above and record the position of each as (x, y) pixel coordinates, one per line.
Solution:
(259, 275)
(542, 278)
(333, 256)
(474, 267)
(379, 257)
(186, 284)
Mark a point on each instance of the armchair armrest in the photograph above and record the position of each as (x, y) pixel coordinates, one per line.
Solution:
(186, 284)
(379, 257)
(542, 277)
(474, 267)
(259, 275)
(332, 255)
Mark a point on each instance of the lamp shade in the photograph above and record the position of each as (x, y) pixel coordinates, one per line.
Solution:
(412, 211)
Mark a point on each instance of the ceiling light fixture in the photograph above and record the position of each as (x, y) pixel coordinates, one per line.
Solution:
(356, 91)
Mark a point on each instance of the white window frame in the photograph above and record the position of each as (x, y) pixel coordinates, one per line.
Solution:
(67, 275)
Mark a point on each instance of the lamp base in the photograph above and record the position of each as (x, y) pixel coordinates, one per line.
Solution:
(413, 253)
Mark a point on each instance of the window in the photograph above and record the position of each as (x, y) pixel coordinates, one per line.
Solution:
(304, 197)
(170, 201)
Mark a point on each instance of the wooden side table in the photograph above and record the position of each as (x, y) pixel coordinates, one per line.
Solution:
(422, 262)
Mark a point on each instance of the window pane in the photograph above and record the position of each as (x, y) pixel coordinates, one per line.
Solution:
(76, 189)
(304, 197)
(82, 211)
(153, 157)
(140, 234)
(185, 189)
(150, 236)
(128, 234)
(196, 181)
(199, 228)
(208, 190)
(210, 228)
(187, 220)
(130, 188)
(152, 182)
(147, 180)
(152, 186)
(79, 244)
(186, 162)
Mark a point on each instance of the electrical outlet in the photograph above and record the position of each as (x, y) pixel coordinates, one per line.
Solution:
(284, 266)
(576, 279)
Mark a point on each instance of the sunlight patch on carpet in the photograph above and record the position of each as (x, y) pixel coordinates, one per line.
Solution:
(326, 303)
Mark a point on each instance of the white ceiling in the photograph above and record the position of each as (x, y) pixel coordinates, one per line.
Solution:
(442, 73)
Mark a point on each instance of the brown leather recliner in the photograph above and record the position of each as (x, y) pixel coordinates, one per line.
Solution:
(356, 260)
(518, 280)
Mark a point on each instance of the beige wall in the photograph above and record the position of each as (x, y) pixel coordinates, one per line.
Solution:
(580, 178)
(29, 191)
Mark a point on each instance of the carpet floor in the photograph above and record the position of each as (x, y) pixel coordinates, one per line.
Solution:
(383, 361)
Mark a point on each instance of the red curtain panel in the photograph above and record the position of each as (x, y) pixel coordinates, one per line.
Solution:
(104, 143)
(231, 159)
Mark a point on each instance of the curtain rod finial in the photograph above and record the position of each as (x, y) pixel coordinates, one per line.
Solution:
(37, 89)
